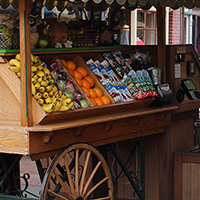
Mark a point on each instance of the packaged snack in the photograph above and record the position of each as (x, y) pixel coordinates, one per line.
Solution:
(114, 93)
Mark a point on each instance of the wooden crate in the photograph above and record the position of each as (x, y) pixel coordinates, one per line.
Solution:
(187, 174)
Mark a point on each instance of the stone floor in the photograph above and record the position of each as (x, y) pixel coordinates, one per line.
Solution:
(34, 184)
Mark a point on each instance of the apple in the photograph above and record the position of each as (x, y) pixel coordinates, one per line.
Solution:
(61, 84)
(42, 42)
(84, 103)
(77, 95)
(70, 86)
(77, 103)
(54, 75)
(69, 94)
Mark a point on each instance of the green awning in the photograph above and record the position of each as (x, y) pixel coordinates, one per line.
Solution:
(144, 4)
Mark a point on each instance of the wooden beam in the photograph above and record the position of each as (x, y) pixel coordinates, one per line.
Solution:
(24, 7)
(161, 38)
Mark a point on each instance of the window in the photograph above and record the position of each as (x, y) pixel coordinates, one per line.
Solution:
(146, 27)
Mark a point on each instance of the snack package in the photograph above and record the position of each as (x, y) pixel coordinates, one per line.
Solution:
(113, 63)
(95, 70)
(114, 93)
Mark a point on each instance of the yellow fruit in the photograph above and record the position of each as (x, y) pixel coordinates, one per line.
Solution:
(38, 95)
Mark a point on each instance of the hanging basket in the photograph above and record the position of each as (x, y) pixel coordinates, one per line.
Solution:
(4, 44)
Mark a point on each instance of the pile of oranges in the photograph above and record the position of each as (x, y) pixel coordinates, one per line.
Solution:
(87, 83)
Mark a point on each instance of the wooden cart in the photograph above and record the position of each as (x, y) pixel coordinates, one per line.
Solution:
(26, 129)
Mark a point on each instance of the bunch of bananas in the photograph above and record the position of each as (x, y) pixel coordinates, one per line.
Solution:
(43, 88)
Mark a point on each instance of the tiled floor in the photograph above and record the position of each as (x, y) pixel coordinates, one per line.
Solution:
(34, 184)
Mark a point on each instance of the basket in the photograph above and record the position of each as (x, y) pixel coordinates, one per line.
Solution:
(4, 44)
(84, 38)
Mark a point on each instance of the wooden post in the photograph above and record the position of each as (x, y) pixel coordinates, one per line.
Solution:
(161, 36)
(24, 7)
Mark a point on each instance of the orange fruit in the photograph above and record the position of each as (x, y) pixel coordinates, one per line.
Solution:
(70, 65)
(82, 70)
(63, 62)
(93, 93)
(98, 101)
(78, 75)
(86, 91)
(90, 80)
(99, 92)
(78, 81)
(93, 101)
(71, 72)
(86, 84)
(106, 100)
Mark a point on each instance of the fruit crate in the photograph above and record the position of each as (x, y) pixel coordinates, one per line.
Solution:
(79, 61)
(84, 38)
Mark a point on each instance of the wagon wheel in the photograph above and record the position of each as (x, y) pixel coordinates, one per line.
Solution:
(78, 172)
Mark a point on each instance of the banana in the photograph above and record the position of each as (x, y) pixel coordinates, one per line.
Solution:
(38, 95)
(51, 82)
(34, 80)
(37, 59)
(48, 100)
(41, 101)
(48, 89)
(17, 57)
(48, 107)
(34, 69)
(33, 89)
(32, 58)
(15, 62)
(57, 105)
(36, 77)
(32, 74)
(40, 80)
(44, 83)
(46, 71)
(40, 74)
(64, 108)
(70, 105)
(54, 88)
(54, 100)
(64, 96)
(49, 77)
(14, 69)
(19, 74)
(37, 86)
(66, 102)
(45, 95)
(40, 67)
(42, 89)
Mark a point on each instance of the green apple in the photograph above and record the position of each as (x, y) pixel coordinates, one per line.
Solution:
(84, 103)
(42, 42)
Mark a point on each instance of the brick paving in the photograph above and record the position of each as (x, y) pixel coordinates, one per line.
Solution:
(29, 166)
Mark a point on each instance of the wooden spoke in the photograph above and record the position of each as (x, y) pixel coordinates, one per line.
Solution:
(95, 187)
(103, 198)
(56, 195)
(63, 184)
(69, 175)
(78, 171)
(90, 178)
(84, 171)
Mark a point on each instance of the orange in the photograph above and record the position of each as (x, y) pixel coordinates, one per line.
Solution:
(70, 65)
(93, 101)
(86, 91)
(78, 75)
(63, 62)
(86, 84)
(106, 100)
(98, 101)
(82, 70)
(93, 93)
(99, 92)
(78, 81)
(71, 72)
(91, 80)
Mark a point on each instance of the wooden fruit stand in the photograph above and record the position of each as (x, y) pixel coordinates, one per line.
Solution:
(25, 129)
